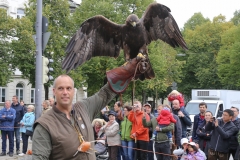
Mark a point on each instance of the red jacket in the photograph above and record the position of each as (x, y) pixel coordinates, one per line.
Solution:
(137, 126)
(165, 118)
(179, 97)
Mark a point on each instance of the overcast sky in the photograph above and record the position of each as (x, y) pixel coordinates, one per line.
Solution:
(182, 10)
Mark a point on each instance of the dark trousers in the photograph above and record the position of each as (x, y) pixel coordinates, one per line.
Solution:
(233, 152)
(113, 151)
(141, 154)
(163, 148)
(10, 135)
(25, 142)
(150, 149)
(17, 136)
(215, 155)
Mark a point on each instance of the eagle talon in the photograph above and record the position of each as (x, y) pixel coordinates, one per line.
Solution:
(140, 56)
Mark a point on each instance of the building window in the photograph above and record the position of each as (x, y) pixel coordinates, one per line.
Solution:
(32, 95)
(2, 94)
(20, 13)
(19, 91)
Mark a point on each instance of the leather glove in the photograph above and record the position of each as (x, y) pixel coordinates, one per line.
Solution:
(120, 77)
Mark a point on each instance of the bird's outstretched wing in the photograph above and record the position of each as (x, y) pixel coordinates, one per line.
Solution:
(97, 36)
(160, 24)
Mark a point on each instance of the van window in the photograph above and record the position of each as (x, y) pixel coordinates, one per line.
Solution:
(193, 108)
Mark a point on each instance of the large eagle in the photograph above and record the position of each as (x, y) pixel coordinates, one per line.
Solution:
(99, 36)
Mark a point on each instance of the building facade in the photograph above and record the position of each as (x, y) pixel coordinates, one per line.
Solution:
(20, 86)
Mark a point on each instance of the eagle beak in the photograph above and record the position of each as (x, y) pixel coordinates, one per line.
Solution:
(134, 24)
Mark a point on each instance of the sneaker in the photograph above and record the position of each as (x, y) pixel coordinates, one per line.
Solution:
(10, 154)
(3, 154)
(21, 154)
(18, 152)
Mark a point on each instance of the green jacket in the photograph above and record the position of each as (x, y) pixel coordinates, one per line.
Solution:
(126, 127)
(161, 135)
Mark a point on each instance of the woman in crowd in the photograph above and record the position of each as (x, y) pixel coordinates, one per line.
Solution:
(204, 136)
(127, 142)
(111, 130)
(27, 127)
(46, 106)
(97, 125)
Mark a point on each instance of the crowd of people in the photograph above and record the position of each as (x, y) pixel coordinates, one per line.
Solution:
(129, 132)
(17, 119)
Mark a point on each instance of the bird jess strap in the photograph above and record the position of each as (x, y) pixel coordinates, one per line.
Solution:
(120, 77)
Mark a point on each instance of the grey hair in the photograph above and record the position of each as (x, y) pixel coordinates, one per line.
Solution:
(47, 102)
(63, 75)
(31, 106)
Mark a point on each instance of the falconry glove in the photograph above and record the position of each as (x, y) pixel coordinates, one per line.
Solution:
(120, 77)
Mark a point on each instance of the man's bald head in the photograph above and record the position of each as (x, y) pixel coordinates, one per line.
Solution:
(175, 104)
(63, 75)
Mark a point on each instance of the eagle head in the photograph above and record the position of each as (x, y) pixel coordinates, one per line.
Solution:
(132, 20)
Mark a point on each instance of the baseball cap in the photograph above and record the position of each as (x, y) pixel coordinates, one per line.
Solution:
(192, 143)
(112, 113)
(147, 104)
(184, 140)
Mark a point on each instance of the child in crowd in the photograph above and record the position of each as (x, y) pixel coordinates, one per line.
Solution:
(189, 151)
(176, 95)
(164, 119)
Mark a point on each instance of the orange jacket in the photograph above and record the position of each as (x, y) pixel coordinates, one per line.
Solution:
(137, 126)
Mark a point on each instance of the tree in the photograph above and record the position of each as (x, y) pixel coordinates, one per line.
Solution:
(7, 32)
(196, 20)
(204, 43)
(59, 23)
(228, 59)
(236, 18)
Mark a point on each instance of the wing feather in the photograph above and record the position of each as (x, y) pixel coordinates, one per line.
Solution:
(97, 36)
(160, 24)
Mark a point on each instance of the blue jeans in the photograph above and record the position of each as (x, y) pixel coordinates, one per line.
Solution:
(127, 149)
(17, 136)
(4, 140)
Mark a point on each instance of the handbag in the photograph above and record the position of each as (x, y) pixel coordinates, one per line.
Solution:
(29, 133)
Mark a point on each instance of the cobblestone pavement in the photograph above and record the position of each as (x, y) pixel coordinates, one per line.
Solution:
(16, 157)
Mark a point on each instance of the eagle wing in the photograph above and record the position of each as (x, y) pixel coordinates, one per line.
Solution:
(160, 24)
(97, 36)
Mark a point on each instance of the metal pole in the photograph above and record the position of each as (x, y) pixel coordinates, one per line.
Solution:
(38, 78)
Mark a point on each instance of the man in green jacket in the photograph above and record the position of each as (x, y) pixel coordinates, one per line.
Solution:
(60, 133)
(162, 144)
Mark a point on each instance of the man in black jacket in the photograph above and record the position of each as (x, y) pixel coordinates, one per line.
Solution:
(183, 116)
(222, 130)
(19, 115)
(198, 120)
(234, 141)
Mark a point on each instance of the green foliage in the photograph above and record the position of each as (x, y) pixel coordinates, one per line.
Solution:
(236, 18)
(196, 20)
(204, 43)
(59, 23)
(7, 31)
(228, 58)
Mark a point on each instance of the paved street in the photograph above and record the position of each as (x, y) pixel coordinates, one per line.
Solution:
(16, 157)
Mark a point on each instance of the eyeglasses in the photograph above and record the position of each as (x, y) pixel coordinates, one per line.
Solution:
(135, 105)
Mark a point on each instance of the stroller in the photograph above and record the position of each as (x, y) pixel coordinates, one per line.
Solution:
(101, 150)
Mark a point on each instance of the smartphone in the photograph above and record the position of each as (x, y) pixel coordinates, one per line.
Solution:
(214, 118)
